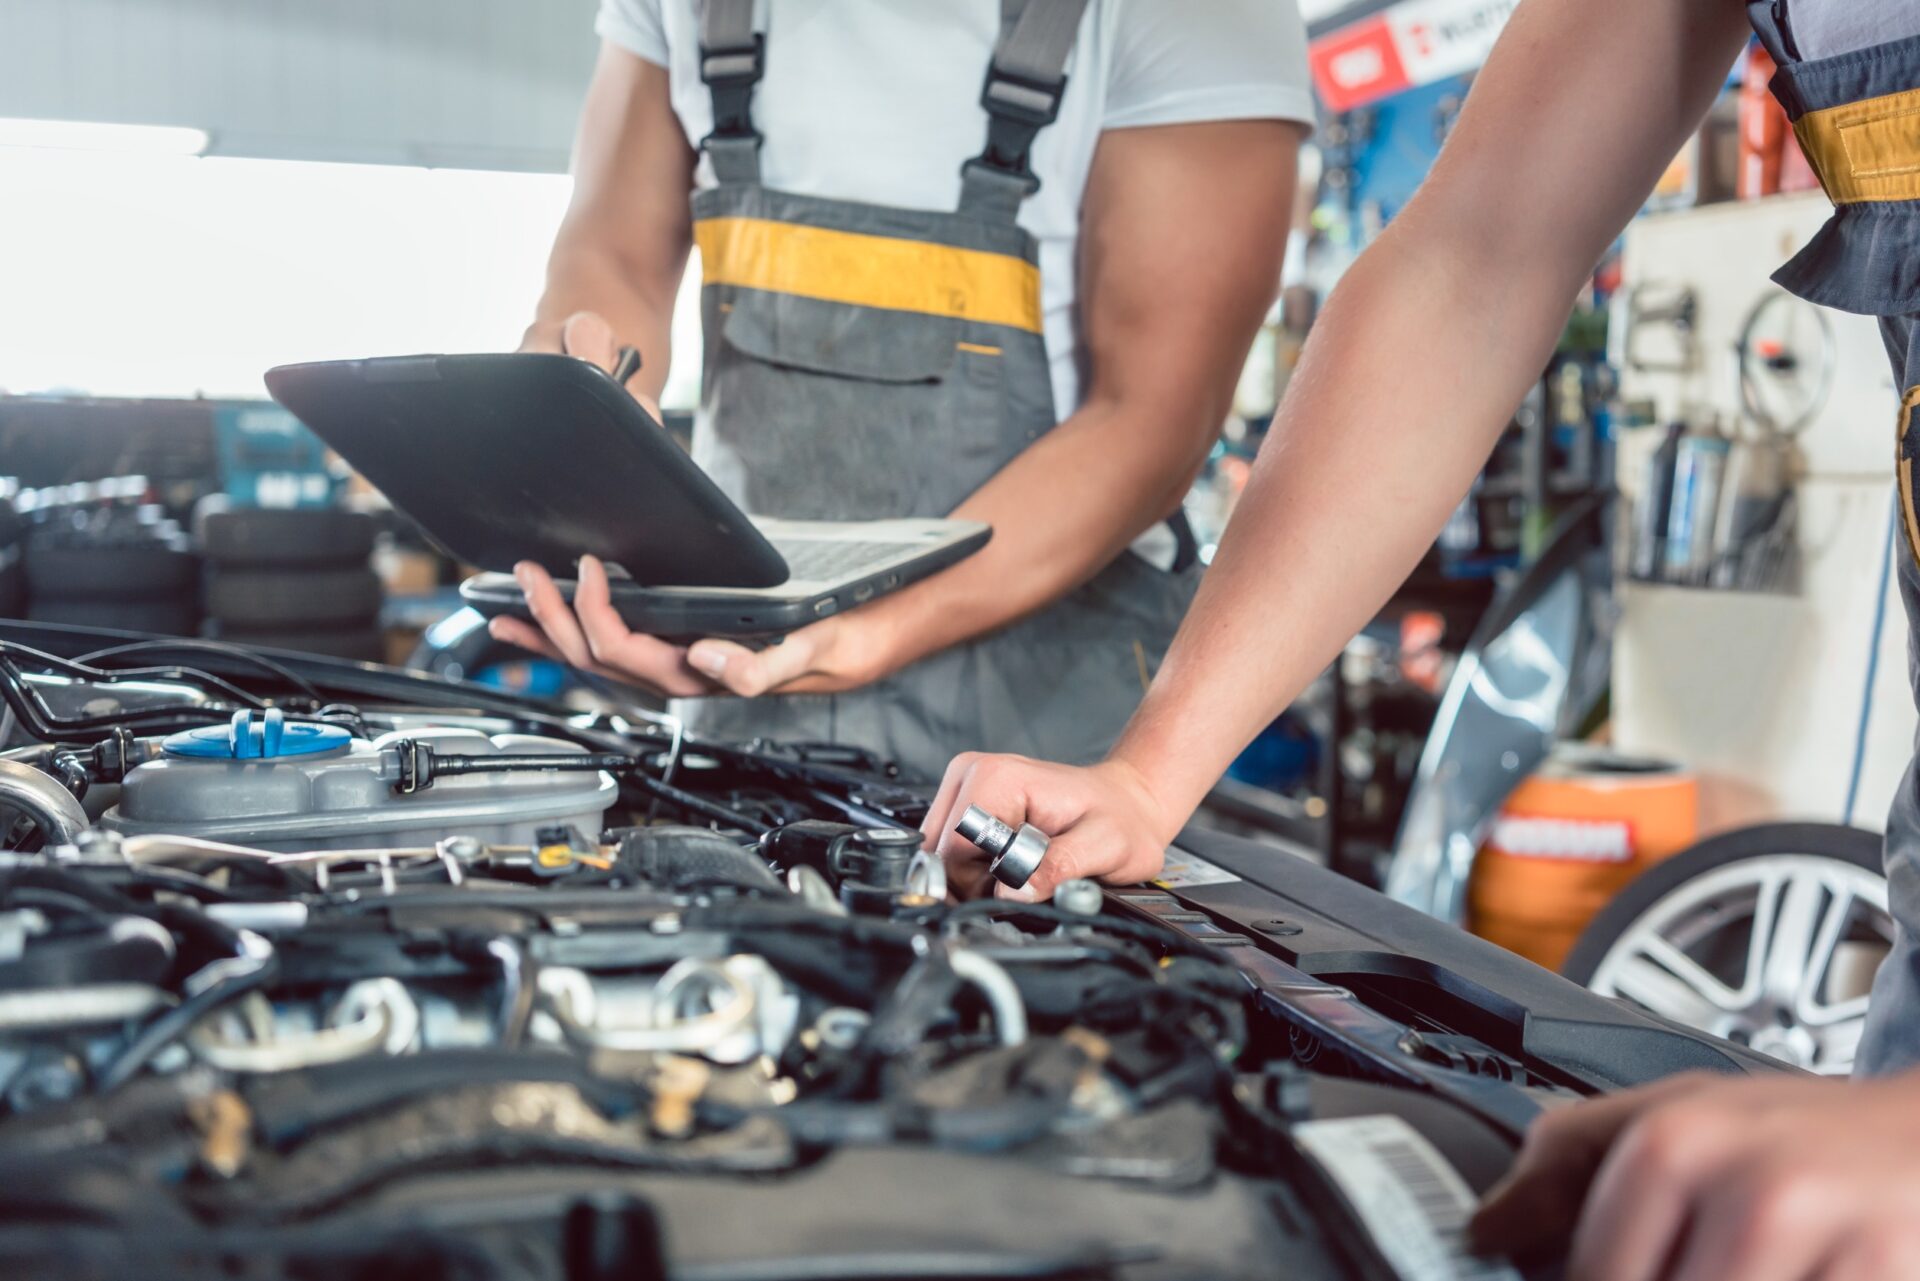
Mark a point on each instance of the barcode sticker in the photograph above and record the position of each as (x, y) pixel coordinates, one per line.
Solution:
(1415, 1204)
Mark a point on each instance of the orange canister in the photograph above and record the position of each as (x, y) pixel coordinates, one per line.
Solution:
(1568, 839)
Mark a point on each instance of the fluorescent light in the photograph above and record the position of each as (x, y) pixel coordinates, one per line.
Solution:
(86, 135)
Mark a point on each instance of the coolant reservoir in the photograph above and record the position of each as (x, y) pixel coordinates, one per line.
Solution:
(267, 783)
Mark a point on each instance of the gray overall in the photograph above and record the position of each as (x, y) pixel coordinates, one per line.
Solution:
(863, 361)
(1849, 112)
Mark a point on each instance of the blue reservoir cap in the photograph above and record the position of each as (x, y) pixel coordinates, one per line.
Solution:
(256, 735)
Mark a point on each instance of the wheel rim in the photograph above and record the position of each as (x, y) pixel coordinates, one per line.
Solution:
(1776, 952)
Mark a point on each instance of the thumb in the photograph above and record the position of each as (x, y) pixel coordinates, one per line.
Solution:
(1072, 855)
(750, 673)
(1536, 1206)
(588, 336)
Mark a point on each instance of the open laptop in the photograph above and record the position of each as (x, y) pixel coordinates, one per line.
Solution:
(525, 456)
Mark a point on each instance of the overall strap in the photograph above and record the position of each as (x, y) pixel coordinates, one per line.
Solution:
(1025, 82)
(1769, 19)
(732, 60)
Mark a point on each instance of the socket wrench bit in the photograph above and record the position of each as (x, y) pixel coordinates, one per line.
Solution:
(1015, 854)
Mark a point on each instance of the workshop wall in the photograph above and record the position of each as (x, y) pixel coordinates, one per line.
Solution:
(476, 84)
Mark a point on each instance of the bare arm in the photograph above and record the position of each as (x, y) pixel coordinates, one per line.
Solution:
(1413, 370)
(1180, 244)
(622, 249)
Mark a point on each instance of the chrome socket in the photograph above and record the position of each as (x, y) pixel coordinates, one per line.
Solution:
(1016, 855)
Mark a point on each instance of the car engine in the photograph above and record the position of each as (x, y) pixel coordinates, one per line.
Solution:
(422, 983)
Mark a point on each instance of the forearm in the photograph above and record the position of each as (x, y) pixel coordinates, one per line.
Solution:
(1424, 350)
(1061, 511)
(622, 248)
(1411, 374)
(1388, 420)
(635, 298)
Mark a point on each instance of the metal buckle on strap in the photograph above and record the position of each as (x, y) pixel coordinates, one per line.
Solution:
(1029, 100)
(1024, 179)
(734, 66)
(1018, 108)
(730, 72)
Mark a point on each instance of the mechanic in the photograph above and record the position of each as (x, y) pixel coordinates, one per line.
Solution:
(1155, 210)
(1411, 375)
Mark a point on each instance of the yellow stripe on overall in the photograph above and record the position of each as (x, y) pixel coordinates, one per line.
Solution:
(870, 271)
(1866, 150)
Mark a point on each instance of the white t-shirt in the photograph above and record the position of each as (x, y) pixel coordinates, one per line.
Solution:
(878, 101)
(1830, 28)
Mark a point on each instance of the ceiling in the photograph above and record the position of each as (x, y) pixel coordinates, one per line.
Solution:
(486, 84)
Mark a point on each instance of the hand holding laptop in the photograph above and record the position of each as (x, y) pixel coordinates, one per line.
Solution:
(537, 462)
(842, 652)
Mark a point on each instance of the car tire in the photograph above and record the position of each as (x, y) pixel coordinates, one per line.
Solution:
(287, 539)
(158, 617)
(1692, 908)
(269, 600)
(111, 573)
(13, 585)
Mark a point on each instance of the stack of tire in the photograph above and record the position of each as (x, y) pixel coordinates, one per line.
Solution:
(13, 570)
(125, 568)
(294, 579)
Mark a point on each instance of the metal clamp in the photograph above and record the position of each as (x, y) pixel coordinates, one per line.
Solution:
(1032, 100)
(1016, 855)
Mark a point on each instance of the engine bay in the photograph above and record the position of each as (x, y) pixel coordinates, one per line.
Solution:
(301, 980)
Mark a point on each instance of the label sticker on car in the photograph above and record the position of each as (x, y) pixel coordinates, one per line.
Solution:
(1415, 1205)
(1183, 870)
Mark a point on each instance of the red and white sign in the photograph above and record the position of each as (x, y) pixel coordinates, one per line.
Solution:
(1413, 43)
(1568, 840)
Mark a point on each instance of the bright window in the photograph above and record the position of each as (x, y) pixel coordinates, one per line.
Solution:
(153, 275)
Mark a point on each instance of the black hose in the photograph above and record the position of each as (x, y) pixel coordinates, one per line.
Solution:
(227, 649)
(39, 720)
(694, 804)
(171, 1026)
(627, 766)
(948, 1265)
(1045, 913)
(581, 762)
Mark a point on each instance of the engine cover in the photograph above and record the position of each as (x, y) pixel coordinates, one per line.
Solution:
(331, 795)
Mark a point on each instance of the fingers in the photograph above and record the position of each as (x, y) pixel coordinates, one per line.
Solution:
(1886, 1254)
(587, 335)
(751, 673)
(1099, 827)
(940, 814)
(511, 631)
(997, 785)
(1537, 1206)
(1639, 1207)
(1708, 1180)
(553, 615)
(1538, 1203)
(588, 634)
(544, 336)
(1085, 850)
(1772, 1223)
(613, 645)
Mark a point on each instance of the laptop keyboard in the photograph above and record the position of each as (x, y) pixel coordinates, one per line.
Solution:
(823, 560)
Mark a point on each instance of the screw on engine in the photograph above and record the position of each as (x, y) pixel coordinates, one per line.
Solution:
(1080, 897)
